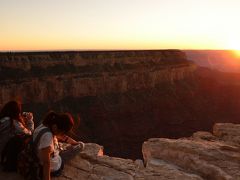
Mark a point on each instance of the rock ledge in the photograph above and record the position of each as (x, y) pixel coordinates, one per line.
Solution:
(203, 156)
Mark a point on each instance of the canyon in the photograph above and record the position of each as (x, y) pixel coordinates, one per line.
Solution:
(122, 98)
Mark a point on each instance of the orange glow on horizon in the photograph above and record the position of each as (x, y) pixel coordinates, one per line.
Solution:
(237, 53)
(79, 24)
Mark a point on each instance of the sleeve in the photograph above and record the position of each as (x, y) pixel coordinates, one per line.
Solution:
(20, 129)
(30, 125)
(45, 141)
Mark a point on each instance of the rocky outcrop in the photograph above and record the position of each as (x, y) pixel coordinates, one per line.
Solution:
(228, 132)
(94, 166)
(203, 156)
(211, 156)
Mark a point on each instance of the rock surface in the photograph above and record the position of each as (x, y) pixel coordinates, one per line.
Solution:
(211, 156)
(93, 165)
(227, 132)
(204, 156)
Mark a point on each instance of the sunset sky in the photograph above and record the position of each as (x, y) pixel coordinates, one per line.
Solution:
(119, 24)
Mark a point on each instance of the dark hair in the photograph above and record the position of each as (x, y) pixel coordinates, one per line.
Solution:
(12, 109)
(63, 121)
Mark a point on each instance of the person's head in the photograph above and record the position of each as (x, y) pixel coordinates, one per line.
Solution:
(58, 123)
(12, 109)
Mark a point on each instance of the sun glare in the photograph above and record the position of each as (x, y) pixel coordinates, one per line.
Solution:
(237, 52)
(234, 44)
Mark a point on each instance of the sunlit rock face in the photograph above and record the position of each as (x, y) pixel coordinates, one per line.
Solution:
(210, 156)
(91, 165)
(203, 156)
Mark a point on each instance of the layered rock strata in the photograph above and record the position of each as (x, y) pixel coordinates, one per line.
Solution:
(41, 77)
(123, 98)
(119, 90)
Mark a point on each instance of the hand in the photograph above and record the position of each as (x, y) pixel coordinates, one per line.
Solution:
(78, 146)
(81, 145)
(28, 116)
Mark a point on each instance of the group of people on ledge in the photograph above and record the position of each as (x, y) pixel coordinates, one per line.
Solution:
(14, 122)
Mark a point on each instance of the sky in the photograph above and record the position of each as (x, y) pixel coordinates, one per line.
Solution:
(119, 24)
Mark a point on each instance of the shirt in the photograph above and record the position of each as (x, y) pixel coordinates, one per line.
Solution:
(48, 140)
(7, 130)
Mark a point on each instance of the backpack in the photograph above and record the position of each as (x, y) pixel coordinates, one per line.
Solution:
(6, 132)
(28, 162)
(11, 150)
(11, 144)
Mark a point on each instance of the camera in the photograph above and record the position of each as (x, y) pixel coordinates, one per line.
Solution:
(25, 114)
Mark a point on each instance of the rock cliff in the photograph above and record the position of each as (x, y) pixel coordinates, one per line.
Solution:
(52, 76)
(203, 156)
(105, 89)
(122, 98)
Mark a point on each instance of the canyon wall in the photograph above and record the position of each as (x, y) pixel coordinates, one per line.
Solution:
(121, 91)
(52, 76)
(120, 99)
(123, 98)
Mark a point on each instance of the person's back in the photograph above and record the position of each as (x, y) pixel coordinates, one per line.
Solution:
(6, 132)
(48, 140)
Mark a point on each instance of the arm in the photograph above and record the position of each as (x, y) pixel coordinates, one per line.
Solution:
(67, 139)
(20, 128)
(45, 157)
(28, 118)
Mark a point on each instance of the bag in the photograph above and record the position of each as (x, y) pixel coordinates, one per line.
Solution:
(10, 152)
(6, 132)
(28, 162)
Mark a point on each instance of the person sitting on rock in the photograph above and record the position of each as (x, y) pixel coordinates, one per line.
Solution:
(14, 123)
(48, 147)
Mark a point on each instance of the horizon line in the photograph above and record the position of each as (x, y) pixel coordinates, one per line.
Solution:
(79, 50)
